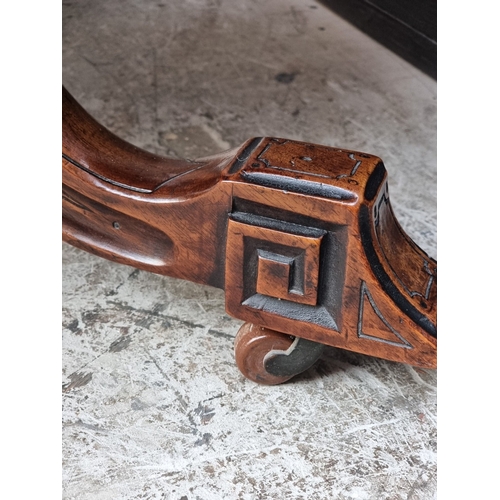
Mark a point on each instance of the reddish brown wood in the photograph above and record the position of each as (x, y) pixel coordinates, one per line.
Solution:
(301, 237)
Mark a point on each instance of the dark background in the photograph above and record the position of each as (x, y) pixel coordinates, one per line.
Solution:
(406, 27)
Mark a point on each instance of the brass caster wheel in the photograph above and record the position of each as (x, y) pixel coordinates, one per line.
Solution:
(269, 357)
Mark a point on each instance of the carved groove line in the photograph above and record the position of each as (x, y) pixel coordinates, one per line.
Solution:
(245, 154)
(364, 291)
(105, 179)
(384, 199)
(134, 188)
(354, 169)
(66, 197)
(300, 186)
(432, 274)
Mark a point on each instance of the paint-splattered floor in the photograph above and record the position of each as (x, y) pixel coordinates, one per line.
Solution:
(153, 404)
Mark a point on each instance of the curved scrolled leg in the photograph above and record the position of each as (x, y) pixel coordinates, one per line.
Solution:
(301, 237)
(269, 357)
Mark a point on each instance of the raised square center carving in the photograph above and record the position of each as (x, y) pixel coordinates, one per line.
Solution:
(274, 263)
(275, 275)
(283, 274)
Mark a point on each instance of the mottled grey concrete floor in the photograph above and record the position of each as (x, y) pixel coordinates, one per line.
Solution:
(153, 404)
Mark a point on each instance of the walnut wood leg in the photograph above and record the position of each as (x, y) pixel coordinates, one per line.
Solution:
(301, 237)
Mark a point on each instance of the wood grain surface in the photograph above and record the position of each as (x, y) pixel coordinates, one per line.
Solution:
(301, 237)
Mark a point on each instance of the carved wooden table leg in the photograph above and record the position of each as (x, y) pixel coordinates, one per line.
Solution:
(301, 237)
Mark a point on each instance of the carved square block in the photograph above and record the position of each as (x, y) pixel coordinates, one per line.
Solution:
(274, 274)
(261, 261)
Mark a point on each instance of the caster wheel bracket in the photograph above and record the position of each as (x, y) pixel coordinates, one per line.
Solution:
(300, 356)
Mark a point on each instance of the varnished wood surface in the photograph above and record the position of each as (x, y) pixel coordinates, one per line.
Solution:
(301, 237)
(95, 149)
